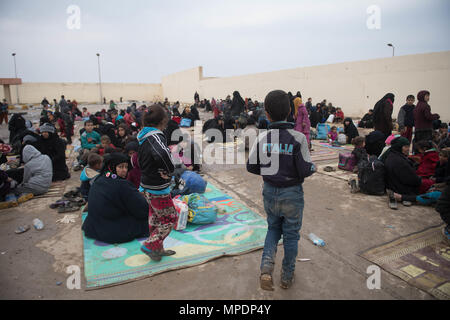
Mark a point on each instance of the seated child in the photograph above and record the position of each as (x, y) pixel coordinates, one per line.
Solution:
(359, 151)
(85, 113)
(332, 135)
(88, 174)
(441, 173)
(444, 137)
(429, 159)
(388, 143)
(105, 143)
(90, 139)
(339, 117)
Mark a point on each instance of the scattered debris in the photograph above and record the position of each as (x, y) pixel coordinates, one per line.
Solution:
(390, 227)
(3, 252)
(304, 260)
(22, 229)
(38, 224)
(58, 283)
(68, 218)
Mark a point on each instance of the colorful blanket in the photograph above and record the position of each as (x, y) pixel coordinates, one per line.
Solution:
(237, 230)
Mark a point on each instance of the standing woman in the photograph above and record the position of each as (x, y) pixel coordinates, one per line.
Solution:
(382, 114)
(423, 118)
(302, 123)
(157, 167)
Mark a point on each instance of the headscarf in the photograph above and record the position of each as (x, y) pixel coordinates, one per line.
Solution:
(132, 146)
(47, 127)
(396, 145)
(297, 103)
(379, 106)
(421, 97)
(112, 160)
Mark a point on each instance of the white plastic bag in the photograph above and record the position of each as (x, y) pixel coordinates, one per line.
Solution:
(182, 212)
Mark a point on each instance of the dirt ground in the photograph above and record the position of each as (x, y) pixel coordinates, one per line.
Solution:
(33, 264)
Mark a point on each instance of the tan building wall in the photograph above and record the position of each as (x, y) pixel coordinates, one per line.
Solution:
(33, 92)
(354, 86)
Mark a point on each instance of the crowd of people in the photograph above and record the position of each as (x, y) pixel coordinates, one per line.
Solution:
(128, 166)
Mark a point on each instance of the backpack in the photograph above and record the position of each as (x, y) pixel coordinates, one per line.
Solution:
(371, 176)
(322, 131)
(185, 122)
(201, 210)
(347, 161)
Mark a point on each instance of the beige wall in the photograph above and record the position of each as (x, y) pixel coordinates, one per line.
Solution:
(354, 86)
(33, 92)
(181, 86)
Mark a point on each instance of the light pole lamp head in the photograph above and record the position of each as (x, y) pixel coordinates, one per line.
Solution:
(98, 54)
(14, 54)
(390, 45)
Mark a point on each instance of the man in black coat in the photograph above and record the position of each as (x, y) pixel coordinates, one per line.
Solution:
(53, 146)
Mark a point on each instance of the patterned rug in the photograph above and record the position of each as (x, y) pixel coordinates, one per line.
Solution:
(238, 230)
(322, 154)
(327, 145)
(422, 259)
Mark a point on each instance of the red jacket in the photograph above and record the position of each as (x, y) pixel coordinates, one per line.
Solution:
(427, 166)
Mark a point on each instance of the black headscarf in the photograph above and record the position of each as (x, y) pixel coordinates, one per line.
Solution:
(112, 160)
(237, 105)
(379, 106)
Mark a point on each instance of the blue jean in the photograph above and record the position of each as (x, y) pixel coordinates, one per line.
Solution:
(284, 209)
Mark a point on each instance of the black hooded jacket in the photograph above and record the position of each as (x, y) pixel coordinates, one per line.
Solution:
(237, 105)
(350, 131)
(55, 148)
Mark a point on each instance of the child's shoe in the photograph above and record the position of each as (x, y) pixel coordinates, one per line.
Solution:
(266, 282)
(24, 197)
(392, 201)
(155, 256)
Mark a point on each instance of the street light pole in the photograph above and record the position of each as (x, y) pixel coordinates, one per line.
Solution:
(99, 78)
(15, 73)
(393, 48)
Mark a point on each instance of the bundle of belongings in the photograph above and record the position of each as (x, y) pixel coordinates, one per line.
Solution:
(70, 202)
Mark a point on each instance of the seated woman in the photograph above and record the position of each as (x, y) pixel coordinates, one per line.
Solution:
(118, 213)
(37, 173)
(367, 120)
(53, 146)
(402, 182)
(188, 114)
(350, 130)
(375, 143)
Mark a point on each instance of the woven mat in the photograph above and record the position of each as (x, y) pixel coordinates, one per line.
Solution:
(422, 259)
(237, 230)
(56, 190)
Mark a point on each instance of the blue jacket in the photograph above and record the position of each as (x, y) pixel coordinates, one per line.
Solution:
(283, 163)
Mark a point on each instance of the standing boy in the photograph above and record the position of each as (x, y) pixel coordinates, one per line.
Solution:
(406, 118)
(282, 157)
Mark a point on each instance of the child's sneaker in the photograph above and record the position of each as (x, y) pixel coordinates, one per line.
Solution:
(353, 186)
(24, 197)
(392, 201)
(286, 283)
(155, 256)
(266, 282)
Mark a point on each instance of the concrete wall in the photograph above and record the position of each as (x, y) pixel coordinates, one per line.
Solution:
(33, 92)
(354, 86)
(181, 86)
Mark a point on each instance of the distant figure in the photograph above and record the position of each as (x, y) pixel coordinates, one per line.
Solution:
(382, 114)
(423, 118)
(405, 118)
(196, 97)
(367, 120)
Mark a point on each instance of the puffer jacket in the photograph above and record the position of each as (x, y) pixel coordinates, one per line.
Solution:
(38, 171)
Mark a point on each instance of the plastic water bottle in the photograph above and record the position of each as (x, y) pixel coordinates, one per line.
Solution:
(38, 224)
(316, 240)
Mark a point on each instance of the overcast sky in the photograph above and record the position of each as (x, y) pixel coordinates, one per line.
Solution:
(143, 40)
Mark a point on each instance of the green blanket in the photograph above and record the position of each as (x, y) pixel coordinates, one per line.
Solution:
(237, 230)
